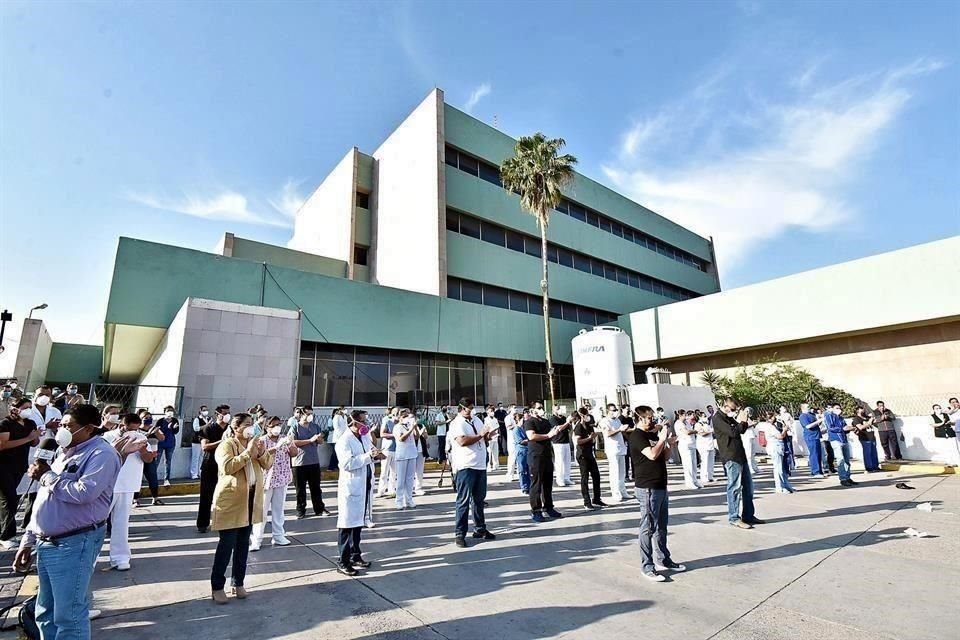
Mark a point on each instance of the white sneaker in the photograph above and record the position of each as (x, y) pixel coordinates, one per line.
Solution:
(254, 547)
(9, 544)
(93, 614)
(675, 567)
(281, 542)
(166, 483)
(653, 576)
(123, 566)
(419, 492)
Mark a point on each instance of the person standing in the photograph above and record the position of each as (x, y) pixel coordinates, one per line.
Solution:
(501, 415)
(68, 524)
(863, 425)
(196, 450)
(423, 437)
(686, 432)
(778, 437)
(388, 446)
(493, 447)
(585, 437)
(837, 430)
(561, 447)
(884, 420)
(17, 435)
(356, 456)
(210, 438)
(43, 413)
(241, 459)
(616, 450)
(131, 444)
(827, 451)
(406, 435)
(811, 438)
(510, 424)
(468, 453)
(306, 466)
(155, 437)
(729, 424)
(440, 421)
(339, 427)
(707, 448)
(539, 433)
(170, 426)
(649, 453)
(275, 485)
(749, 438)
(521, 445)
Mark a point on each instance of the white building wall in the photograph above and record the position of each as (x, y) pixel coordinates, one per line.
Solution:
(409, 202)
(324, 224)
(33, 355)
(163, 367)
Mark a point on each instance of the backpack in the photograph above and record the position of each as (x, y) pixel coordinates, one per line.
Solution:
(26, 618)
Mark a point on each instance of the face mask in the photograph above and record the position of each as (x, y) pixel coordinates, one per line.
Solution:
(23, 411)
(275, 432)
(254, 431)
(147, 421)
(615, 414)
(363, 430)
(226, 418)
(169, 414)
(13, 385)
(42, 401)
(112, 418)
(71, 391)
(204, 413)
(56, 392)
(63, 437)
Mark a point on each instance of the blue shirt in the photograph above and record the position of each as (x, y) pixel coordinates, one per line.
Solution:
(835, 425)
(519, 435)
(807, 419)
(169, 433)
(386, 426)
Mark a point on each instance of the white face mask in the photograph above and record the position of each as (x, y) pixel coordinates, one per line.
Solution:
(615, 414)
(112, 418)
(63, 437)
(226, 418)
(42, 401)
(71, 391)
(169, 414)
(204, 413)
(275, 431)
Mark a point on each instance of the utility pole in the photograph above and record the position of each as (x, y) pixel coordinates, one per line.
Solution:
(5, 317)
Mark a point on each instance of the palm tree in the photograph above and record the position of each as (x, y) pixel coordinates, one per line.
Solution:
(537, 171)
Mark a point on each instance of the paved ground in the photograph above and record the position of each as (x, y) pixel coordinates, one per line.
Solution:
(830, 563)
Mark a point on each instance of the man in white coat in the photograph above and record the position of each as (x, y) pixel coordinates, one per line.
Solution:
(356, 456)
(686, 430)
(706, 445)
(616, 450)
(511, 422)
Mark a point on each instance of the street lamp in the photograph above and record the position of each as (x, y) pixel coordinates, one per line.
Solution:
(39, 307)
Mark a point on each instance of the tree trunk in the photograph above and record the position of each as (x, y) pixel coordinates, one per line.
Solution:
(544, 287)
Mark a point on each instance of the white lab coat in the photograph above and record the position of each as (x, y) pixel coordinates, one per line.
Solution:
(339, 428)
(354, 499)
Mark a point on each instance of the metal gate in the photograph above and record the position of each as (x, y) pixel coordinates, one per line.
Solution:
(131, 397)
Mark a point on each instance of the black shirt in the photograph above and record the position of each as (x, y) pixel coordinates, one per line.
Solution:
(727, 432)
(564, 436)
(16, 460)
(196, 434)
(647, 473)
(501, 415)
(211, 433)
(542, 427)
(584, 430)
(866, 435)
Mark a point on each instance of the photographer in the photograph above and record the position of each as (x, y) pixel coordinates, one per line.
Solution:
(729, 425)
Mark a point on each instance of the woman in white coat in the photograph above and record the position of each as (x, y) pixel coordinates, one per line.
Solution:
(706, 445)
(355, 456)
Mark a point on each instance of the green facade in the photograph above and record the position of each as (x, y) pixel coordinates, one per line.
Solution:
(81, 363)
(282, 257)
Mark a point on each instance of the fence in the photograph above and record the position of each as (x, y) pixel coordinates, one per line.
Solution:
(131, 397)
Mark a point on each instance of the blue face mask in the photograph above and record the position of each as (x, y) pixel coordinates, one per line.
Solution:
(257, 431)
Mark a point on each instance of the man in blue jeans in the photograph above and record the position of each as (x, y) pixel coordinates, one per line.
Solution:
(468, 455)
(729, 423)
(69, 523)
(520, 443)
(649, 452)
(811, 437)
(837, 436)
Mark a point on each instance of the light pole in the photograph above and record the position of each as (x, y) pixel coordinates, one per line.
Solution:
(39, 307)
(5, 317)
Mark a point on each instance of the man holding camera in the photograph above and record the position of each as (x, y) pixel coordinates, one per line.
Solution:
(729, 424)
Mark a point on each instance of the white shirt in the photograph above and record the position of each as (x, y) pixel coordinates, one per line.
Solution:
(34, 414)
(406, 449)
(339, 427)
(491, 424)
(467, 457)
(441, 421)
(614, 445)
(684, 439)
(131, 473)
(705, 435)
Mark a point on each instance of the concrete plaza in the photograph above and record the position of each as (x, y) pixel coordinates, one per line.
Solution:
(830, 563)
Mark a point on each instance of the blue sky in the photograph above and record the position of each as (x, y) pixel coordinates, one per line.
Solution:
(797, 134)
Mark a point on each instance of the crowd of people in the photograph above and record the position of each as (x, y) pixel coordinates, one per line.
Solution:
(78, 472)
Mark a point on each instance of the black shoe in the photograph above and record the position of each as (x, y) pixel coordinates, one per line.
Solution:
(600, 503)
(360, 563)
(756, 521)
(589, 507)
(157, 502)
(347, 571)
(536, 516)
(323, 513)
(201, 529)
(553, 513)
(853, 482)
(301, 516)
(460, 541)
(483, 534)
(846, 483)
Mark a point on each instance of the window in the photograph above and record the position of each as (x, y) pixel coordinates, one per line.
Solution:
(578, 212)
(593, 219)
(598, 268)
(628, 234)
(634, 281)
(569, 311)
(453, 221)
(493, 234)
(582, 263)
(470, 227)
(532, 247)
(363, 200)
(305, 383)
(370, 385)
(334, 352)
(514, 241)
(552, 254)
(495, 297)
(453, 288)
(471, 292)
(333, 383)
(368, 354)
(622, 276)
(610, 272)
(556, 311)
(564, 207)
(450, 157)
(536, 305)
(469, 165)
(490, 173)
(360, 255)
(518, 301)
(588, 317)
(565, 257)
(617, 229)
(605, 225)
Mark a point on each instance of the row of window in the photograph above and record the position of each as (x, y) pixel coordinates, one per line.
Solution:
(490, 173)
(503, 237)
(492, 296)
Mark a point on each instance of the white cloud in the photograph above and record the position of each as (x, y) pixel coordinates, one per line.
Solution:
(478, 94)
(226, 205)
(783, 167)
(289, 199)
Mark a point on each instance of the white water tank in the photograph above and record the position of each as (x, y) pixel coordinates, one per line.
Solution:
(602, 361)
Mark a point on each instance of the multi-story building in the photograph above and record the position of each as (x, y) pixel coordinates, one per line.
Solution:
(410, 268)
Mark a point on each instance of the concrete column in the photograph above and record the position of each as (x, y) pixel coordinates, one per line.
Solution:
(33, 355)
(500, 381)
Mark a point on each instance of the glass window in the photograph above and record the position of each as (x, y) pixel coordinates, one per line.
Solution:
(305, 383)
(536, 305)
(569, 311)
(657, 288)
(556, 310)
(441, 385)
(363, 200)
(605, 224)
(463, 362)
(308, 349)
(514, 241)
(471, 292)
(578, 212)
(453, 288)
(593, 219)
(518, 301)
(334, 352)
(453, 221)
(634, 280)
(563, 207)
(493, 234)
(470, 226)
(640, 240)
(587, 316)
(450, 156)
(628, 234)
(368, 354)
(617, 229)
(495, 297)
(552, 254)
(663, 249)
(370, 385)
(532, 247)
(360, 255)
(610, 272)
(469, 165)
(479, 395)
(582, 262)
(565, 257)
(490, 173)
(646, 284)
(598, 268)
(404, 357)
(461, 384)
(622, 276)
(333, 383)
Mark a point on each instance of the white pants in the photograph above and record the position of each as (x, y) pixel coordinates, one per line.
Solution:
(707, 457)
(561, 464)
(418, 482)
(618, 474)
(120, 508)
(493, 454)
(511, 457)
(195, 453)
(688, 457)
(406, 472)
(388, 474)
(273, 501)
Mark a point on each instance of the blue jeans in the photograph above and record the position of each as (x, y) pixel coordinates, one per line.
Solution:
(166, 454)
(471, 492)
(150, 473)
(65, 569)
(841, 450)
(654, 515)
(814, 458)
(780, 468)
(523, 469)
(233, 544)
(871, 460)
(739, 491)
